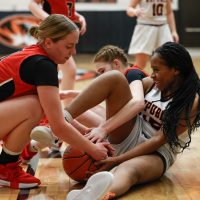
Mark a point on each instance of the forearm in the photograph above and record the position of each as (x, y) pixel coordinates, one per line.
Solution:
(37, 10)
(79, 18)
(144, 148)
(171, 22)
(80, 127)
(130, 110)
(68, 133)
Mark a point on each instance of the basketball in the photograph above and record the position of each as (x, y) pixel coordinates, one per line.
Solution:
(76, 163)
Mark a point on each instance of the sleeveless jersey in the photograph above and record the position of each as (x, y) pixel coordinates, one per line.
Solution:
(151, 117)
(9, 73)
(155, 12)
(65, 7)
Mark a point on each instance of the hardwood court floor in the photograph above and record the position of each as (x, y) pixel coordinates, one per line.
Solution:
(181, 182)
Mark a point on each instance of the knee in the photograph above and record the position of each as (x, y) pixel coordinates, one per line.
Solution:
(115, 77)
(132, 174)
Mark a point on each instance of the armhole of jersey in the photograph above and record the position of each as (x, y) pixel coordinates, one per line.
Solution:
(149, 89)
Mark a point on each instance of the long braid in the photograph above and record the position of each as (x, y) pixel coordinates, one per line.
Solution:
(176, 56)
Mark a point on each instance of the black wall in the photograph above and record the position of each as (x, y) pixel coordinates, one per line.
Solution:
(113, 27)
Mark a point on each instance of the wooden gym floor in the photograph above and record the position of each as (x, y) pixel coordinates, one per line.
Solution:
(181, 182)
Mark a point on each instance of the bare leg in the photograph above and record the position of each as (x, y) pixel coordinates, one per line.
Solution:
(141, 60)
(18, 117)
(92, 117)
(136, 171)
(114, 89)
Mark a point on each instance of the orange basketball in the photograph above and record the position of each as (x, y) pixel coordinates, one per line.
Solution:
(77, 163)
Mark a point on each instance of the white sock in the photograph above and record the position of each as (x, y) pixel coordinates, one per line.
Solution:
(67, 116)
(9, 151)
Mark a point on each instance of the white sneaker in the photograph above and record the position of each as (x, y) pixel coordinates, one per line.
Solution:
(95, 189)
(45, 136)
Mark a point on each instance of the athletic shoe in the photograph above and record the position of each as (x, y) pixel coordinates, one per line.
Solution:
(13, 176)
(27, 154)
(45, 136)
(96, 187)
(57, 148)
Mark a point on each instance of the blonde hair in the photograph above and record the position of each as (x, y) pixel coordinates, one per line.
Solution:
(55, 26)
(109, 52)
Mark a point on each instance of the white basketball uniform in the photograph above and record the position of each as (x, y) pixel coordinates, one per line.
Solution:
(147, 124)
(152, 29)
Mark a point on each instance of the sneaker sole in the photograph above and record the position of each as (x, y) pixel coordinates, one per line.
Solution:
(42, 136)
(107, 180)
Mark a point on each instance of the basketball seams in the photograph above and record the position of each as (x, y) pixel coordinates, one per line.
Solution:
(82, 164)
(75, 157)
(76, 163)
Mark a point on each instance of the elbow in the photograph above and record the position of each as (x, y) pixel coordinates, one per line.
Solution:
(140, 105)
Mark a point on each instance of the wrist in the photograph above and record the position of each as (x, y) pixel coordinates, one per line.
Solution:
(104, 131)
(131, 12)
(118, 160)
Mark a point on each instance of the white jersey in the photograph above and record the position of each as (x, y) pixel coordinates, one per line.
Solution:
(152, 114)
(155, 12)
(151, 118)
(147, 124)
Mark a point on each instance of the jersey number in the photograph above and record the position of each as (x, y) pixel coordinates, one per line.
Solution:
(69, 6)
(157, 9)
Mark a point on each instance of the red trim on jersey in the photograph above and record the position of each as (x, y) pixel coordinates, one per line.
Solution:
(133, 68)
(65, 7)
(10, 67)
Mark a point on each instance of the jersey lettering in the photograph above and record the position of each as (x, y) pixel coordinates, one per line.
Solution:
(157, 9)
(154, 119)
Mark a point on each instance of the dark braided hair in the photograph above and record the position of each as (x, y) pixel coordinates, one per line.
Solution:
(176, 56)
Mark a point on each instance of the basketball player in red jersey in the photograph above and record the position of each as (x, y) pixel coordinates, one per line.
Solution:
(28, 90)
(43, 8)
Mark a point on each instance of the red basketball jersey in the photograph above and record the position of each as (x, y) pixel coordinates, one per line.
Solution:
(65, 7)
(9, 72)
